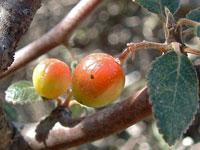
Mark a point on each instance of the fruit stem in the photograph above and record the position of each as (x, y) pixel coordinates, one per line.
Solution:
(123, 56)
(70, 51)
(191, 50)
(68, 98)
(59, 101)
(163, 47)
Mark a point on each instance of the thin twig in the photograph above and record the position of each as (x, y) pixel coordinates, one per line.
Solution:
(123, 56)
(184, 21)
(67, 46)
(145, 44)
(68, 99)
(59, 101)
(191, 50)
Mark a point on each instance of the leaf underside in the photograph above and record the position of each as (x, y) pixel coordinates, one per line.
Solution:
(158, 6)
(173, 89)
(22, 92)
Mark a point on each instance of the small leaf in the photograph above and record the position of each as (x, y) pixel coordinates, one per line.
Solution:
(10, 111)
(158, 6)
(173, 89)
(77, 110)
(194, 15)
(22, 92)
(197, 31)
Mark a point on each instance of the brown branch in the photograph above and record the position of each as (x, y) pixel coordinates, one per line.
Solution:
(56, 36)
(163, 47)
(15, 19)
(191, 50)
(184, 21)
(99, 125)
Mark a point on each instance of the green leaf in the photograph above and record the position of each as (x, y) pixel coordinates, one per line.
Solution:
(10, 111)
(197, 31)
(77, 110)
(158, 6)
(173, 89)
(22, 92)
(194, 15)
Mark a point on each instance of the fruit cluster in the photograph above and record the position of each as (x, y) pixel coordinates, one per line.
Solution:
(96, 81)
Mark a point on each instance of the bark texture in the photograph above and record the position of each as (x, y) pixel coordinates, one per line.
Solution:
(15, 19)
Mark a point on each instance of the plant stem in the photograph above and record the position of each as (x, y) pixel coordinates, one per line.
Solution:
(68, 98)
(123, 56)
(145, 44)
(184, 21)
(59, 101)
(70, 51)
(191, 50)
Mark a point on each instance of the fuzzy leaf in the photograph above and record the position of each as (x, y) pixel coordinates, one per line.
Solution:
(158, 6)
(194, 15)
(77, 110)
(10, 111)
(22, 92)
(173, 89)
(197, 31)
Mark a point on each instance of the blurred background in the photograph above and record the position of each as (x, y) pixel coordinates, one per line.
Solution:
(108, 29)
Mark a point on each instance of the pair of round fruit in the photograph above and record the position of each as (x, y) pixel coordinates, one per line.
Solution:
(96, 81)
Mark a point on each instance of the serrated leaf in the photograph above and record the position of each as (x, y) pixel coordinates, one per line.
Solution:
(194, 15)
(22, 92)
(158, 6)
(173, 89)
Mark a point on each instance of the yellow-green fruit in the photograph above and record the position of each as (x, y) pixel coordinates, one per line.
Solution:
(97, 80)
(51, 78)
